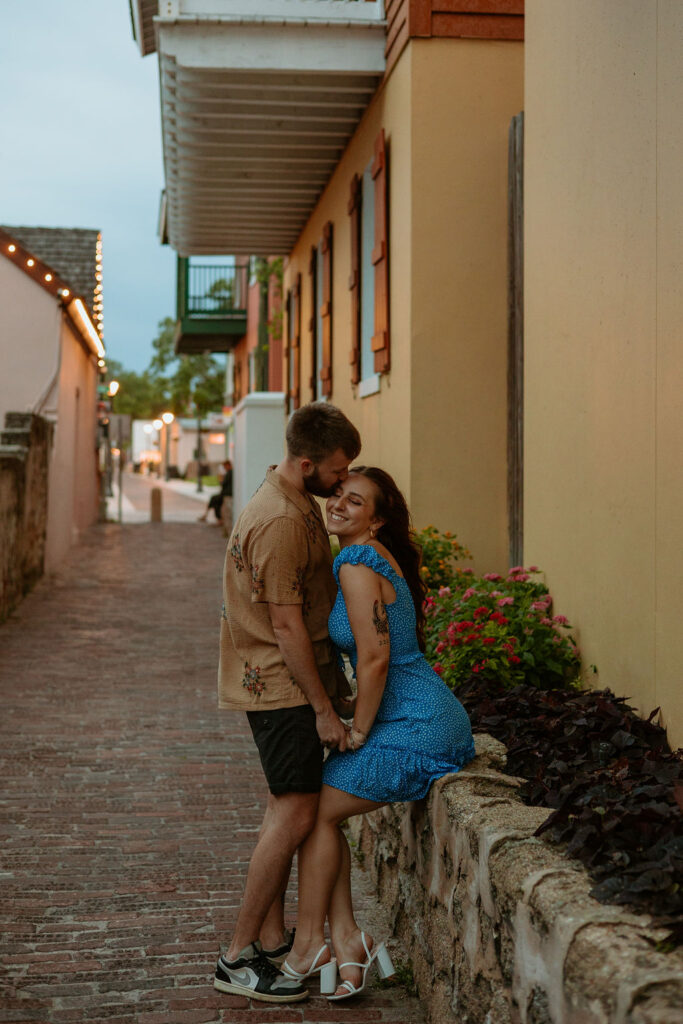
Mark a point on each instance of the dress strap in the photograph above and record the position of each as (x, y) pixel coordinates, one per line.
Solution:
(365, 554)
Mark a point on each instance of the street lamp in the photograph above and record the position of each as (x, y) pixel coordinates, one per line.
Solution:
(168, 418)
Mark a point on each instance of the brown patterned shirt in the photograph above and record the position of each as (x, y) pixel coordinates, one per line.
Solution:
(278, 552)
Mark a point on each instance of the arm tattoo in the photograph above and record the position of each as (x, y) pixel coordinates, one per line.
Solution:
(381, 622)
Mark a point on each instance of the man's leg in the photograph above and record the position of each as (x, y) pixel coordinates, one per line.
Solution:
(272, 934)
(288, 820)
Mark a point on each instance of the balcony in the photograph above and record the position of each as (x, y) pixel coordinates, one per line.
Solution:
(211, 305)
(259, 98)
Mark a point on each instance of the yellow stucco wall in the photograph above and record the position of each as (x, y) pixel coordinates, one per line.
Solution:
(465, 93)
(603, 313)
(384, 418)
(439, 422)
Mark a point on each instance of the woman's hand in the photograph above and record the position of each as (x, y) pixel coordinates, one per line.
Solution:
(356, 738)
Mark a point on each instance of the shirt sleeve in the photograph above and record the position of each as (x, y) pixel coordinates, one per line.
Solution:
(277, 559)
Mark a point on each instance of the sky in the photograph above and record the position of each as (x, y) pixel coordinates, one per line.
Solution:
(80, 138)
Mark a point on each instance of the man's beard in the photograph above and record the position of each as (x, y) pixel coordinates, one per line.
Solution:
(314, 485)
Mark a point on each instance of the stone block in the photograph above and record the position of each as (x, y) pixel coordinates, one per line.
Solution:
(500, 925)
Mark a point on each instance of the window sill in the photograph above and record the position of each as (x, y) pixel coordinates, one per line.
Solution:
(369, 386)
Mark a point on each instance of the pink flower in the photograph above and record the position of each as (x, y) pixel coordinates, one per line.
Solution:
(561, 620)
(515, 569)
(539, 606)
(428, 603)
(444, 591)
(534, 568)
(468, 593)
(438, 668)
(521, 577)
(546, 622)
(505, 600)
(467, 572)
(496, 593)
(492, 576)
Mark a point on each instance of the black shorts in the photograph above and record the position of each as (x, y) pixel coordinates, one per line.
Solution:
(290, 749)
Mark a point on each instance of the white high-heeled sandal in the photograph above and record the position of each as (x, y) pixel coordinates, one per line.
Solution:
(378, 955)
(327, 971)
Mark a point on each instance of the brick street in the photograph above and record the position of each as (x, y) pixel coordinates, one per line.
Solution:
(129, 804)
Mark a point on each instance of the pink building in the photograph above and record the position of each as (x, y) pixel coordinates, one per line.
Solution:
(50, 344)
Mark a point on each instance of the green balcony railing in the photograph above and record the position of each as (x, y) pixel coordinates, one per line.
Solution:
(211, 304)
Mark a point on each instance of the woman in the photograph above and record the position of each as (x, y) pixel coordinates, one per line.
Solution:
(408, 728)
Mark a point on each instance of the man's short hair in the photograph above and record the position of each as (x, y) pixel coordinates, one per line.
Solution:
(318, 430)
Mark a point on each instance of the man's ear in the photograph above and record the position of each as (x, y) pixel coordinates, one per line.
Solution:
(307, 466)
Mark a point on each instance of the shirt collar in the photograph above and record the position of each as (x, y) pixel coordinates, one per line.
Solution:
(304, 502)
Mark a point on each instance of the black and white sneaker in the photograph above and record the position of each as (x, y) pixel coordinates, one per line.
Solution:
(253, 975)
(276, 956)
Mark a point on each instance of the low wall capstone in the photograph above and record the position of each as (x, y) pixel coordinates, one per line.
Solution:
(499, 925)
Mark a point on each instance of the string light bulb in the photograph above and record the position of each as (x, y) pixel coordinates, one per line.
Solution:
(48, 277)
(30, 263)
(12, 248)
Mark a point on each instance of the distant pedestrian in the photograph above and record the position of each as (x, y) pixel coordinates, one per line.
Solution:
(277, 664)
(221, 503)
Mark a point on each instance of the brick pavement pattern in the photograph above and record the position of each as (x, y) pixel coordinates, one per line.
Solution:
(129, 804)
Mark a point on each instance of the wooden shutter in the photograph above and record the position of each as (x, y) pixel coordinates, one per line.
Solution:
(354, 209)
(312, 323)
(380, 259)
(296, 343)
(326, 311)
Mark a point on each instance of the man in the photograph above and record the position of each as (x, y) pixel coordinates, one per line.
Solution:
(221, 503)
(277, 664)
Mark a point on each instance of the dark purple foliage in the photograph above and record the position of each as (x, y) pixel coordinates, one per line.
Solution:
(612, 782)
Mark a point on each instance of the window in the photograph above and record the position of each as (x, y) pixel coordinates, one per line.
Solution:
(319, 392)
(315, 270)
(293, 337)
(369, 280)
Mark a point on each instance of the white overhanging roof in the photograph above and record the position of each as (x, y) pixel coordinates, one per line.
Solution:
(259, 100)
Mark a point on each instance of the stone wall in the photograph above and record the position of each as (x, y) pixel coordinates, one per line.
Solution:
(24, 455)
(499, 925)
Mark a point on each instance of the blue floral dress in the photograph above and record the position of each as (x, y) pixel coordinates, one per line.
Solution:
(421, 731)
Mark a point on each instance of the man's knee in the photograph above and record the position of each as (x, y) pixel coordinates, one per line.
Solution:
(295, 814)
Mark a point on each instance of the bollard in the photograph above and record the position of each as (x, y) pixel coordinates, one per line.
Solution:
(155, 502)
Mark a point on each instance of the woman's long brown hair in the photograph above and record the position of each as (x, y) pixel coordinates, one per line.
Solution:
(397, 536)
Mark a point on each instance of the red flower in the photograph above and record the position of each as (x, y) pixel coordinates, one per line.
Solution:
(481, 610)
(489, 640)
(438, 668)
(514, 660)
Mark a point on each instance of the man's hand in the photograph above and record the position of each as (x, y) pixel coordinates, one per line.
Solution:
(331, 729)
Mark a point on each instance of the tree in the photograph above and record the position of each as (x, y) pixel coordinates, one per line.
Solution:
(192, 384)
(139, 395)
(183, 385)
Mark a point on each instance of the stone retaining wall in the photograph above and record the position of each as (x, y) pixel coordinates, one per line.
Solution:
(24, 455)
(500, 926)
